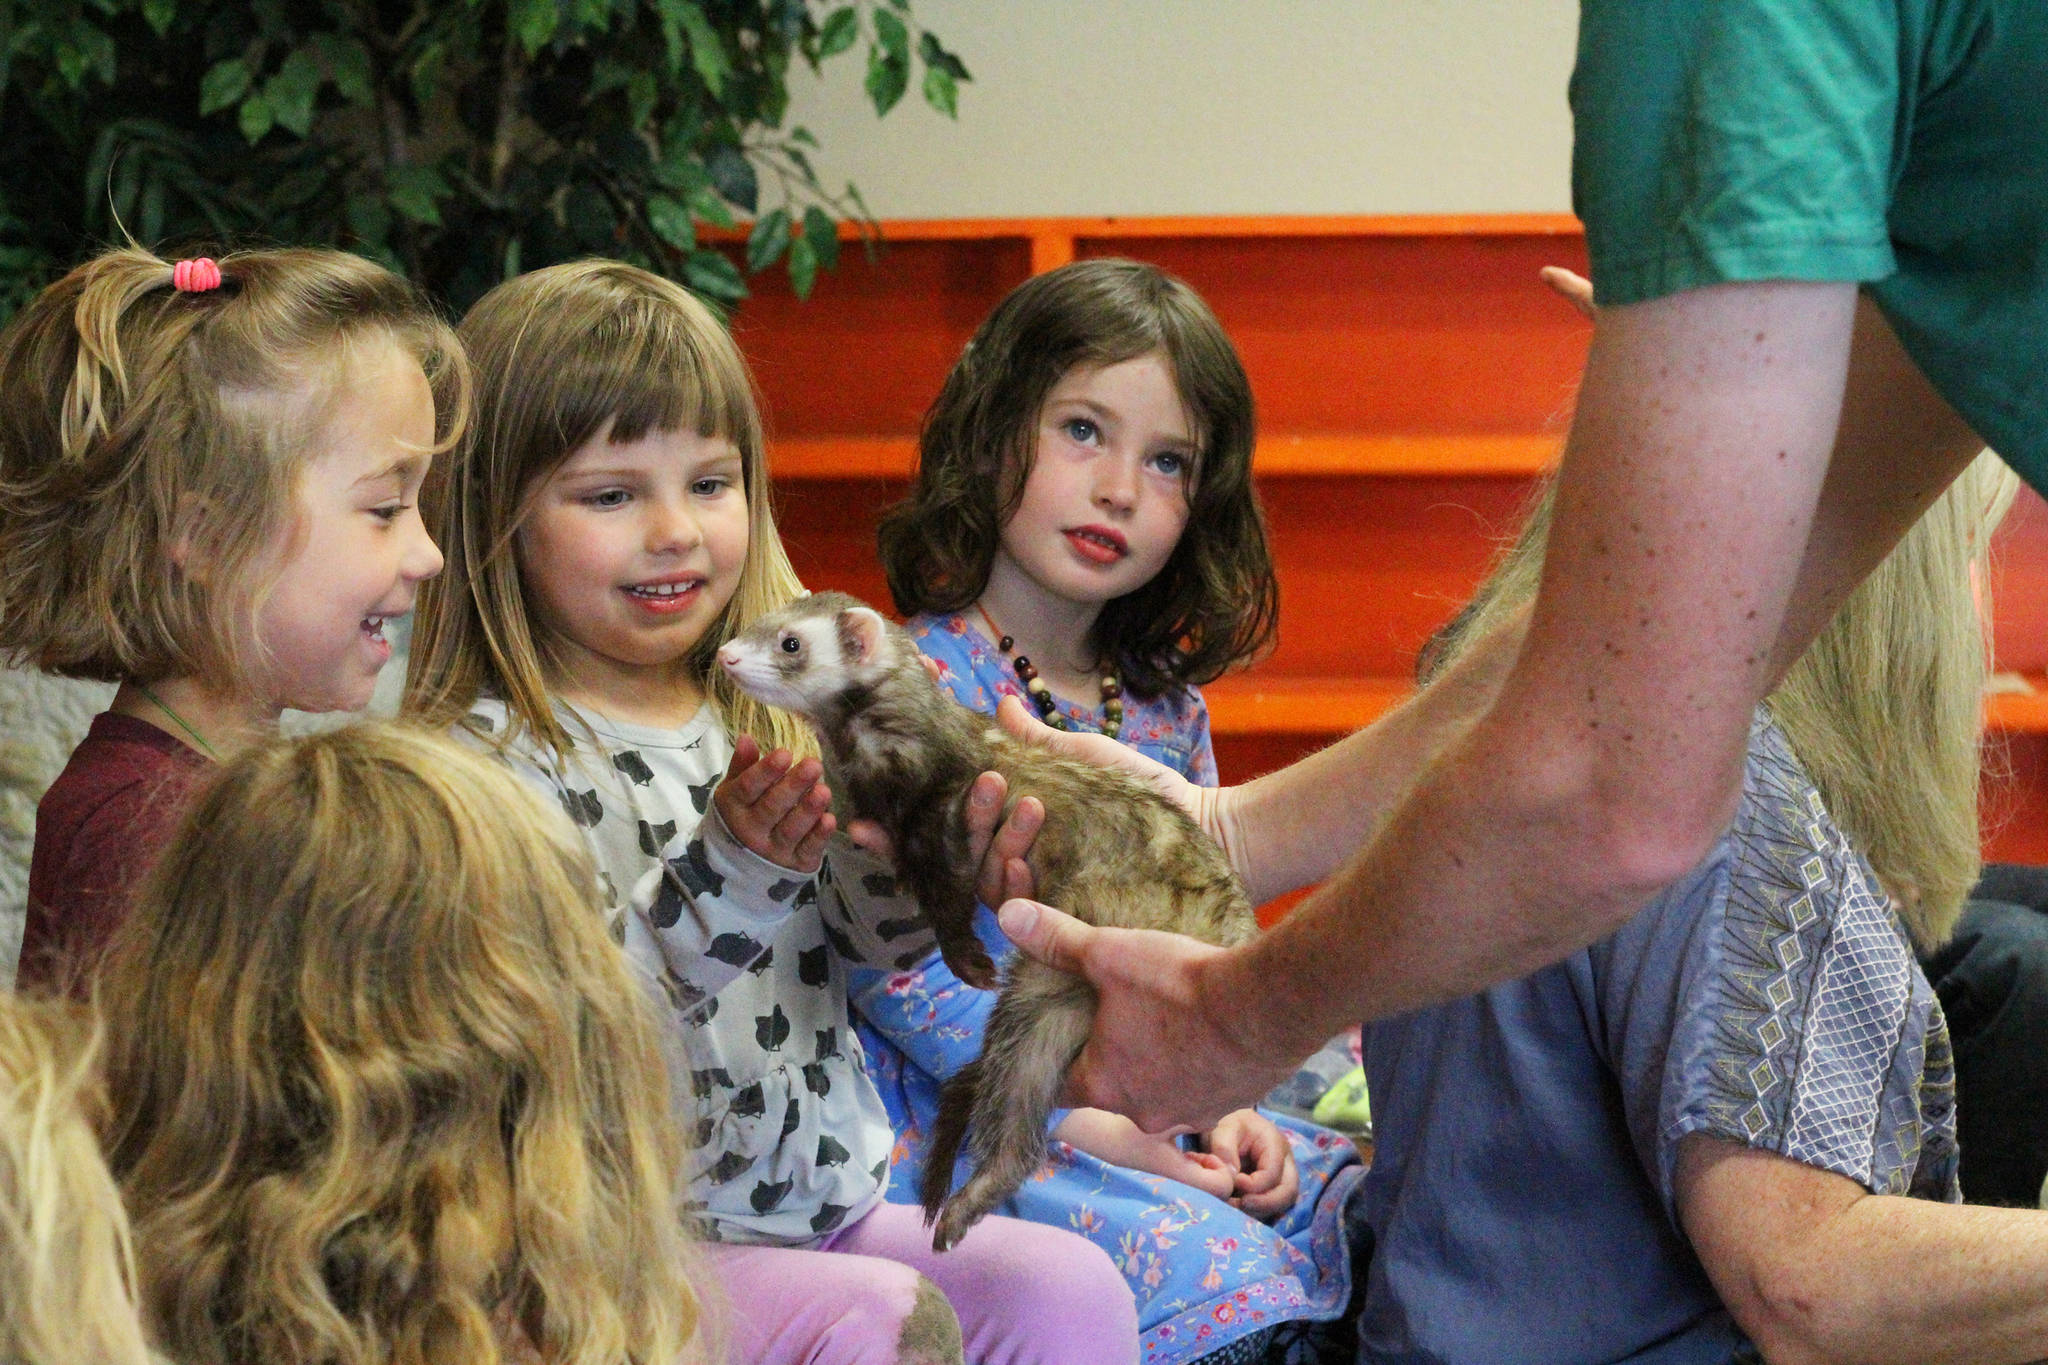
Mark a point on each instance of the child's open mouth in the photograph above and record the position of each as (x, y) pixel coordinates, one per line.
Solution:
(1101, 547)
(663, 598)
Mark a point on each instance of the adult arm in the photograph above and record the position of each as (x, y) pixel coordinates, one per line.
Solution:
(1687, 568)
(1817, 1269)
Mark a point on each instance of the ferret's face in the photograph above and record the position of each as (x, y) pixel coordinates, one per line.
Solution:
(799, 659)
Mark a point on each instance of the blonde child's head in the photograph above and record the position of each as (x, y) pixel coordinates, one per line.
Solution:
(383, 1088)
(1215, 602)
(576, 356)
(66, 1273)
(155, 440)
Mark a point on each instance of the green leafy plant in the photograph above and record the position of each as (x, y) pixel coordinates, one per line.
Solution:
(460, 141)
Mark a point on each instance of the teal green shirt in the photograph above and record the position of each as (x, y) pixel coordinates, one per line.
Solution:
(1900, 144)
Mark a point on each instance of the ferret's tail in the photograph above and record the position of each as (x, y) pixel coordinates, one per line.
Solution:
(957, 1101)
(1001, 1103)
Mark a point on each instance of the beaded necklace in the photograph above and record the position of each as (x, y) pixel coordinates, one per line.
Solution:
(1041, 695)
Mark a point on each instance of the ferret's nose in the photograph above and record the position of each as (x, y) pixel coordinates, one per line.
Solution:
(729, 656)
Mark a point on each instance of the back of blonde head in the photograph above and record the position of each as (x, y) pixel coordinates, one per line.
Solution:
(143, 428)
(383, 1086)
(561, 356)
(66, 1275)
(1885, 709)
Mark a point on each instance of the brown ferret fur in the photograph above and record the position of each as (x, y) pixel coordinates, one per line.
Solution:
(900, 752)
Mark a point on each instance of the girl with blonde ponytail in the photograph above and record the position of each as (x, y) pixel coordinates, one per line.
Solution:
(208, 479)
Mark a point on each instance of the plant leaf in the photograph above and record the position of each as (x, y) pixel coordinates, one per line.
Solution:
(707, 54)
(224, 84)
(534, 22)
(671, 222)
(841, 27)
(711, 208)
(158, 15)
(290, 92)
(257, 118)
(711, 274)
(733, 176)
(803, 267)
(823, 235)
(348, 66)
(415, 191)
(767, 242)
(940, 92)
(887, 79)
(934, 55)
(893, 36)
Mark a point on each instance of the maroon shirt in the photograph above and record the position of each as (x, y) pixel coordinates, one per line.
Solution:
(98, 830)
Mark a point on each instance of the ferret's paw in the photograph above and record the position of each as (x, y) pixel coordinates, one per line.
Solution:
(955, 1219)
(974, 966)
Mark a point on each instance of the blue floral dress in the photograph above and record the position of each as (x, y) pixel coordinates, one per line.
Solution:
(1205, 1275)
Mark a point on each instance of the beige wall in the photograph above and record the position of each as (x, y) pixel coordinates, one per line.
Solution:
(1218, 107)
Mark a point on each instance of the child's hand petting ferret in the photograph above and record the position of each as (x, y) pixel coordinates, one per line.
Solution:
(781, 811)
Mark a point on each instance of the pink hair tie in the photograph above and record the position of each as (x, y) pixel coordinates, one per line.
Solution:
(195, 276)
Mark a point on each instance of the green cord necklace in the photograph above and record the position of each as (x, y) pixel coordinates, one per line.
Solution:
(158, 702)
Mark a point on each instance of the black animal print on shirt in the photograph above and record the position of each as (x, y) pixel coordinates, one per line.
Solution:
(734, 949)
(812, 968)
(584, 808)
(767, 1198)
(654, 838)
(629, 762)
(771, 1030)
(700, 797)
(695, 869)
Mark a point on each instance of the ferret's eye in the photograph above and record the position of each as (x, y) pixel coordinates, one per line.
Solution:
(791, 645)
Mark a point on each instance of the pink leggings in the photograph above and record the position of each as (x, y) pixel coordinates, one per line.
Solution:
(1025, 1294)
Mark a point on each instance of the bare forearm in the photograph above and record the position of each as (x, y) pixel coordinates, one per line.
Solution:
(1918, 1283)
(1296, 826)
(1416, 916)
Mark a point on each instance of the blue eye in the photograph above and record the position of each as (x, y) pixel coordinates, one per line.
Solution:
(610, 497)
(1080, 429)
(1171, 462)
(710, 488)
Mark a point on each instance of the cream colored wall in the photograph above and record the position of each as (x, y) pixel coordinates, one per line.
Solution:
(1218, 107)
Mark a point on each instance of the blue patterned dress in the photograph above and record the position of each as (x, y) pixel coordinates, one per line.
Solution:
(1205, 1275)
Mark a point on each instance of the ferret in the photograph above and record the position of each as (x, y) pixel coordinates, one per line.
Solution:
(900, 752)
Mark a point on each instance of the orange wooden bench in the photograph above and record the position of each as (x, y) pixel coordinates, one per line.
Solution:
(1413, 379)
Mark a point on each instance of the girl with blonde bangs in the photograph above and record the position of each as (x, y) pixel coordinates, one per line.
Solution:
(608, 530)
(208, 480)
(564, 355)
(67, 1273)
(383, 1091)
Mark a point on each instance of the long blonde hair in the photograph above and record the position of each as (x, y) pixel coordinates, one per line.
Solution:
(144, 428)
(383, 1085)
(558, 354)
(1886, 707)
(67, 1275)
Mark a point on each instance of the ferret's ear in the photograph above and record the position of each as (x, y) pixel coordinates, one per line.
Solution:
(860, 634)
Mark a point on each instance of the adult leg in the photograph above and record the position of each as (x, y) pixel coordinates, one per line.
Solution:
(1992, 978)
(796, 1306)
(1026, 1294)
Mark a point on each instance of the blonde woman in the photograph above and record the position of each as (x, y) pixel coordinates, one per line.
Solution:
(66, 1272)
(1690, 1140)
(383, 1093)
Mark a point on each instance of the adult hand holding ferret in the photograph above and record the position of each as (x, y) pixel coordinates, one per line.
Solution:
(779, 809)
